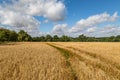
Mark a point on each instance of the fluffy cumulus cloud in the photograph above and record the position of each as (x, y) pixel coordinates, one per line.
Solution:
(93, 21)
(91, 30)
(60, 29)
(20, 13)
(91, 26)
(108, 30)
(15, 19)
(51, 9)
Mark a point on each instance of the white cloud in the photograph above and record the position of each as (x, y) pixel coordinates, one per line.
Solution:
(92, 29)
(51, 9)
(18, 21)
(55, 11)
(92, 21)
(59, 29)
(108, 30)
(19, 14)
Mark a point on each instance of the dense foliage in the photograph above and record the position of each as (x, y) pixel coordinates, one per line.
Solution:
(8, 35)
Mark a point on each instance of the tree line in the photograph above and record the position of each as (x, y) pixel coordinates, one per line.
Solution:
(9, 35)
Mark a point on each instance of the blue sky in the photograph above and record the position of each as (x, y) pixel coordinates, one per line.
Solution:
(85, 8)
(78, 9)
(82, 9)
(68, 17)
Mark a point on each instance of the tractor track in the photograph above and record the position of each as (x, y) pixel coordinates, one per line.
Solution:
(104, 65)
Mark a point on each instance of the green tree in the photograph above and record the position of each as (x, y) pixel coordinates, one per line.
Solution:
(42, 38)
(55, 38)
(13, 36)
(82, 38)
(64, 38)
(117, 38)
(4, 34)
(48, 38)
(23, 36)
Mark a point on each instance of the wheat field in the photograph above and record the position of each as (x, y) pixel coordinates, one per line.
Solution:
(60, 61)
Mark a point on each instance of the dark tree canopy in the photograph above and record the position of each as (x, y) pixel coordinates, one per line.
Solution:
(7, 35)
(23, 36)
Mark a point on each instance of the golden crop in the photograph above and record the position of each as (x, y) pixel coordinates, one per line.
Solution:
(60, 61)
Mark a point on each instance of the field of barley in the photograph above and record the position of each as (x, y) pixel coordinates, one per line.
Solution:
(60, 61)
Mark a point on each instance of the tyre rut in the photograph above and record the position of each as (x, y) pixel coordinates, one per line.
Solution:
(107, 68)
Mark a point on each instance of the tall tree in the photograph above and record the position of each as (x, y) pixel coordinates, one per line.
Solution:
(4, 34)
(23, 36)
(82, 38)
(13, 36)
(64, 38)
(55, 38)
(48, 38)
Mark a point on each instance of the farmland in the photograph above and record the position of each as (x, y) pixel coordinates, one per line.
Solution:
(60, 61)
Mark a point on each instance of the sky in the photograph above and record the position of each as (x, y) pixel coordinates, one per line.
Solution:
(96, 18)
